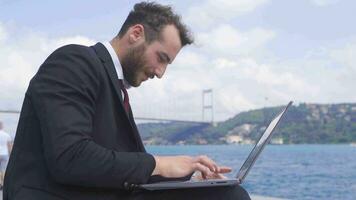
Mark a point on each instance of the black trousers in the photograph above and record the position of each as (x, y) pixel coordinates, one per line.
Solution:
(209, 193)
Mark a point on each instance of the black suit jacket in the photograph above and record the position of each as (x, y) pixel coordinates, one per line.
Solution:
(74, 139)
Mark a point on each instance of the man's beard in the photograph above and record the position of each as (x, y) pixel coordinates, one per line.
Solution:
(133, 63)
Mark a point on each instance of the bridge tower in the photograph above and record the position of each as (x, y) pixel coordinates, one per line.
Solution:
(207, 105)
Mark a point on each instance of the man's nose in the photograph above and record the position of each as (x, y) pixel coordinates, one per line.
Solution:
(159, 71)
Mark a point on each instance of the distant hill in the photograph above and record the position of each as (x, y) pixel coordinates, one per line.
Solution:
(305, 123)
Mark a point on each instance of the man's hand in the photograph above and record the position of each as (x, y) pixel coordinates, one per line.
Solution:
(180, 166)
(219, 175)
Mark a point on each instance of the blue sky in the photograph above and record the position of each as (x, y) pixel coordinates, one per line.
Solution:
(245, 51)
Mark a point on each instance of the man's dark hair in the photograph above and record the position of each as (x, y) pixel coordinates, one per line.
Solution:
(154, 17)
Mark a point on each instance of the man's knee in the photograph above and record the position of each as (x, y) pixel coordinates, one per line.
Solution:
(210, 193)
(239, 193)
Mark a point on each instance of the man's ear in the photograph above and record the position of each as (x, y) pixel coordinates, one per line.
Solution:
(137, 33)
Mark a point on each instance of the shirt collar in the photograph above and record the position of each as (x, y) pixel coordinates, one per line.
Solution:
(117, 63)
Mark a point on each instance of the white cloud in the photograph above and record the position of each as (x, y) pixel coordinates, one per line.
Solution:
(255, 81)
(322, 3)
(223, 64)
(21, 53)
(227, 40)
(232, 100)
(20, 56)
(187, 59)
(226, 59)
(345, 60)
(271, 78)
(3, 33)
(328, 73)
(208, 13)
(346, 56)
(238, 64)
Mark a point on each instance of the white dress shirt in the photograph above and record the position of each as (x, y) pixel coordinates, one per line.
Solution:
(117, 63)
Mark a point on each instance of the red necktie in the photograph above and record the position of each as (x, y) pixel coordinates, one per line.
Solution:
(126, 96)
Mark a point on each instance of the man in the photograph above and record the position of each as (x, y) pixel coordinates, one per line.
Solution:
(5, 148)
(76, 137)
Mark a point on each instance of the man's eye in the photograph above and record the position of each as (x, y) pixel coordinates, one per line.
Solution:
(160, 59)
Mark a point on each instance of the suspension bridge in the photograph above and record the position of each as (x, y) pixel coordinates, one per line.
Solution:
(207, 113)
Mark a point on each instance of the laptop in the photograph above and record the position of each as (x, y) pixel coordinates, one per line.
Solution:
(241, 175)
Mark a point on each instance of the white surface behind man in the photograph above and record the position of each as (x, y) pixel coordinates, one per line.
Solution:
(5, 148)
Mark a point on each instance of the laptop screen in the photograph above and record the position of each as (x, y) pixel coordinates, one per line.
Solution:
(264, 139)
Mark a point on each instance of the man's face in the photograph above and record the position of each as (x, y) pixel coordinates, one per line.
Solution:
(149, 60)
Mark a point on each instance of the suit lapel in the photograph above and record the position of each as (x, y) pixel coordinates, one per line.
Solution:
(105, 57)
(138, 137)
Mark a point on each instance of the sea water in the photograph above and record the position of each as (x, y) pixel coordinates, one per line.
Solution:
(285, 171)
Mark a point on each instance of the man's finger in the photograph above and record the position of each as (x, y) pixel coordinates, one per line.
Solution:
(205, 172)
(223, 169)
(204, 160)
(220, 176)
